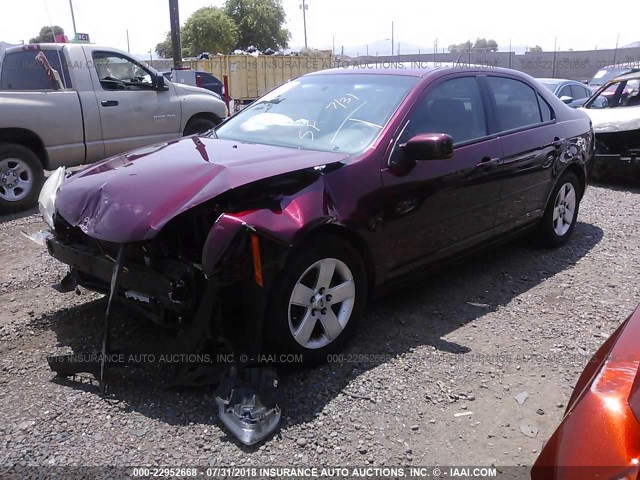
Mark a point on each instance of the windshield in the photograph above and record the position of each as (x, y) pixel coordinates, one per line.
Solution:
(332, 113)
(604, 75)
(620, 94)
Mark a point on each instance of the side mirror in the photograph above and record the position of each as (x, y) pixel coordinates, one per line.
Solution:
(566, 99)
(429, 146)
(158, 83)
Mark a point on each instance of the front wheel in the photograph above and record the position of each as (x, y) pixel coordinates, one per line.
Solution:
(561, 213)
(199, 126)
(317, 300)
(21, 177)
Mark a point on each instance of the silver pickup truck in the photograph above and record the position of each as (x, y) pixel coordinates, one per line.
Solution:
(71, 104)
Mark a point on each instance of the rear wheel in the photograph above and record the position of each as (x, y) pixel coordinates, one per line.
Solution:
(561, 214)
(317, 300)
(21, 177)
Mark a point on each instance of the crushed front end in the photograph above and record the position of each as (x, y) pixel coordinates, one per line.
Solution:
(164, 279)
(617, 153)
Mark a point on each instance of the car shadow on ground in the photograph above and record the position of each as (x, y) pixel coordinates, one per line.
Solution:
(16, 216)
(420, 315)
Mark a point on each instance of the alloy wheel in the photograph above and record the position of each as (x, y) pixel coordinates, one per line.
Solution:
(564, 209)
(321, 303)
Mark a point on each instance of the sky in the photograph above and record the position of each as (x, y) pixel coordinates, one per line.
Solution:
(349, 23)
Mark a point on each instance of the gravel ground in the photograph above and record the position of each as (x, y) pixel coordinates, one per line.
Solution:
(467, 341)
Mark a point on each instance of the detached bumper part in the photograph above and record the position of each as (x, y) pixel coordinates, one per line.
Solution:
(248, 404)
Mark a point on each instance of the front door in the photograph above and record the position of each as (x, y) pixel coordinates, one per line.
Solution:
(435, 208)
(132, 114)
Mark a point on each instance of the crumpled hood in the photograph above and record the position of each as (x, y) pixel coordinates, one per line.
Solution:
(621, 119)
(130, 197)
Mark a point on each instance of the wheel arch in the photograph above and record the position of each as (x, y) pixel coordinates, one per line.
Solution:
(579, 172)
(28, 139)
(349, 236)
(202, 115)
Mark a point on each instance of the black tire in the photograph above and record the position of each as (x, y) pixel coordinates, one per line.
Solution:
(278, 333)
(11, 157)
(199, 125)
(547, 233)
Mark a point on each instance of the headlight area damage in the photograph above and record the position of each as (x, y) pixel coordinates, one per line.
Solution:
(206, 272)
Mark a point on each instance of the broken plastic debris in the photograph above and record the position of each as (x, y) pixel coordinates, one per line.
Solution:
(521, 397)
(462, 414)
(38, 237)
(248, 405)
(48, 194)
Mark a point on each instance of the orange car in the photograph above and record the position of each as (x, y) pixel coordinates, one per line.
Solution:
(599, 436)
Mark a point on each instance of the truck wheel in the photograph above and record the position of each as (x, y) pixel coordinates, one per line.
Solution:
(317, 300)
(21, 177)
(199, 125)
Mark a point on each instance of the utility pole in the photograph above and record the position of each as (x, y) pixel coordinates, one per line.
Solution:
(128, 45)
(304, 8)
(73, 19)
(174, 18)
(392, 39)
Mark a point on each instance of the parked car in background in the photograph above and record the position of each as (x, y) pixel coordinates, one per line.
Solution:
(615, 112)
(610, 72)
(599, 436)
(203, 80)
(571, 92)
(71, 104)
(335, 185)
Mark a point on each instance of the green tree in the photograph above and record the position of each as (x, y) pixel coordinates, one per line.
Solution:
(260, 23)
(461, 47)
(536, 49)
(46, 35)
(165, 49)
(209, 29)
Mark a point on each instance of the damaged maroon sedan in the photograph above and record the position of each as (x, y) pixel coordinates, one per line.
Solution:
(270, 232)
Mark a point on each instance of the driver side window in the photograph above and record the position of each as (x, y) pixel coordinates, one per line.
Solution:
(453, 107)
(117, 72)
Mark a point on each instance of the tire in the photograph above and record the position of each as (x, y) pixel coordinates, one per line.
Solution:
(323, 325)
(21, 178)
(561, 213)
(199, 125)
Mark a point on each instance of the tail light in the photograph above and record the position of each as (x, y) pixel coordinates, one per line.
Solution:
(199, 80)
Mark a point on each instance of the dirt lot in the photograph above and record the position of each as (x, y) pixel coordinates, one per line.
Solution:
(518, 319)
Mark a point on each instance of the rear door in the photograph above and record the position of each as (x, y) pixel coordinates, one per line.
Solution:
(436, 208)
(526, 126)
(132, 114)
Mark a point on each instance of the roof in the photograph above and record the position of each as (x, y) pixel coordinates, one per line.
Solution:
(627, 76)
(413, 69)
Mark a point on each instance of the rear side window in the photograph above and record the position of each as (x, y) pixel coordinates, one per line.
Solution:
(516, 103)
(34, 70)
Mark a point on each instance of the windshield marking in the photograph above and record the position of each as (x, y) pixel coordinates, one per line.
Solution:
(346, 120)
(342, 102)
(365, 122)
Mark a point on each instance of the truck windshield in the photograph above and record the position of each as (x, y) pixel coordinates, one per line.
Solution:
(333, 113)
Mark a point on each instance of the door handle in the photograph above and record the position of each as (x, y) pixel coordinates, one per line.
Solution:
(489, 162)
(109, 103)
